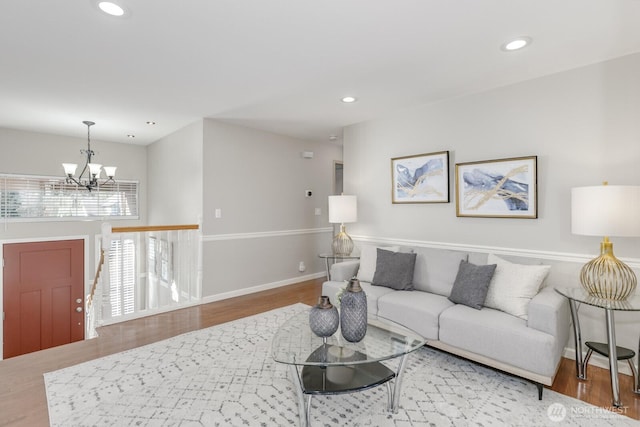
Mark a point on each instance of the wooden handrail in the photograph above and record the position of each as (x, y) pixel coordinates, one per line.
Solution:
(145, 228)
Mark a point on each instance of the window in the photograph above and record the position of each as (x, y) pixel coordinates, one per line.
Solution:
(30, 198)
(122, 277)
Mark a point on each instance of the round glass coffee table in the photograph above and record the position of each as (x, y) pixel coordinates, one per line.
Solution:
(333, 365)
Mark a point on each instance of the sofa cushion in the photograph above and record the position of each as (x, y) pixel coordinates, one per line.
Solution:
(513, 286)
(436, 270)
(416, 310)
(394, 270)
(471, 284)
(500, 336)
(368, 259)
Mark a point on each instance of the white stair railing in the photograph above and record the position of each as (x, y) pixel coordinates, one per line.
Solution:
(93, 311)
(147, 270)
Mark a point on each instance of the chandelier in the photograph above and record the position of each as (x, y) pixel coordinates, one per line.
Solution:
(92, 169)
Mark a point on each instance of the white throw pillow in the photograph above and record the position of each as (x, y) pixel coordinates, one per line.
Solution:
(368, 260)
(514, 285)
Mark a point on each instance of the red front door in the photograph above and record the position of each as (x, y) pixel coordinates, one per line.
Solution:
(43, 295)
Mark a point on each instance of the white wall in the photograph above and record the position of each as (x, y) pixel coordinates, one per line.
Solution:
(584, 126)
(33, 153)
(30, 153)
(174, 165)
(267, 226)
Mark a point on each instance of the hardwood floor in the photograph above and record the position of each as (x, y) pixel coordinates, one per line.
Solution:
(22, 393)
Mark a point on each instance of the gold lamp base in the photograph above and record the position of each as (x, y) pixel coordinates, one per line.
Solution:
(342, 244)
(606, 276)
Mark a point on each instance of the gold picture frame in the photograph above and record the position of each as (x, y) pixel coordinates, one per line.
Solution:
(421, 178)
(503, 188)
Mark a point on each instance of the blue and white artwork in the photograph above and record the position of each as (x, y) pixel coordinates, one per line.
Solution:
(497, 188)
(421, 179)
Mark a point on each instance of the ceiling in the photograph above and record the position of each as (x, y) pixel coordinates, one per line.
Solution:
(280, 65)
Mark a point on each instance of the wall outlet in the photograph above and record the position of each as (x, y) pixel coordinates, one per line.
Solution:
(318, 211)
(218, 213)
(301, 267)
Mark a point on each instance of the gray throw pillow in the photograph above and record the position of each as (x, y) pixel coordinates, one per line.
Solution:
(394, 270)
(472, 284)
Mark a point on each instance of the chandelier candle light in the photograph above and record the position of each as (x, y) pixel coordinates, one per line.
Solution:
(606, 210)
(342, 209)
(93, 169)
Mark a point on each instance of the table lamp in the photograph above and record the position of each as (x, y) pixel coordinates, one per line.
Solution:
(342, 209)
(606, 210)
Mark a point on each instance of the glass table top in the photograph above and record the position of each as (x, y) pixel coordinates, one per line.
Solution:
(294, 343)
(632, 303)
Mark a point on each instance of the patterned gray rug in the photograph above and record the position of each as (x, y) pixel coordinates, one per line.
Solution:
(224, 376)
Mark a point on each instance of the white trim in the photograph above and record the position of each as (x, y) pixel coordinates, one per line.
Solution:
(531, 253)
(71, 218)
(84, 237)
(147, 313)
(214, 298)
(263, 234)
(87, 282)
(259, 288)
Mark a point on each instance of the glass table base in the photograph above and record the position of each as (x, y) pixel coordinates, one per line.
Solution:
(344, 379)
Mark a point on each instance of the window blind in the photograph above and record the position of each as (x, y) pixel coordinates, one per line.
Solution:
(122, 277)
(31, 198)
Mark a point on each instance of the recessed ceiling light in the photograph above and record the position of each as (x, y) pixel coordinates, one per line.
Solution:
(111, 8)
(516, 44)
(150, 122)
(349, 99)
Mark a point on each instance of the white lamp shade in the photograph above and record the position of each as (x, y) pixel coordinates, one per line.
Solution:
(94, 169)
(343, 209)
(110, 171)
(69, 168)
(606, 210)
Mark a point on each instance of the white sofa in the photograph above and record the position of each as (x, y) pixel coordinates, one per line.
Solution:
(529, 346)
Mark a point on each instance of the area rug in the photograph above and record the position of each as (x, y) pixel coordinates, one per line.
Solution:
(225, 376)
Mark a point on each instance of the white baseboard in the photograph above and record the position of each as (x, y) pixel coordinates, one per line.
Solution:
(145, 313)
(259, 288)
(214, 298)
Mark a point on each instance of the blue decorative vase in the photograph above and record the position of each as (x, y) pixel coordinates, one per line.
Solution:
(353, 312)
(324, 318)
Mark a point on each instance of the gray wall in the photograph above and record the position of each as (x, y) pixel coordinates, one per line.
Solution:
(584, 126)
(174, 165)
(33, 153)
(258, 181)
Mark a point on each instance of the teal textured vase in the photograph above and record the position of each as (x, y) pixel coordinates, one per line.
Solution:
(353, 312)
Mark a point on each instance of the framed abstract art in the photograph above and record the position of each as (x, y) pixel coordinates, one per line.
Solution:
(422, 178)
(504, 188)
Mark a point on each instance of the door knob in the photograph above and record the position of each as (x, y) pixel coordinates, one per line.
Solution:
(79, 309)
(79, 301)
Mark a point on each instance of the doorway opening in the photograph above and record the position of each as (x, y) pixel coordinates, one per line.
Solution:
(338, 172)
